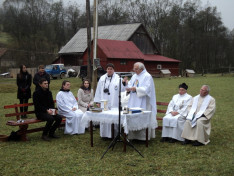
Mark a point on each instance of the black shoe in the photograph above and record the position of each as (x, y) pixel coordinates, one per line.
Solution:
(172, 140)
(186, 141)
(54, 136)
(196, 143)
(164, 139)
(45, 138)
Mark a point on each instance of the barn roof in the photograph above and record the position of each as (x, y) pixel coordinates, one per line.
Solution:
(78, 42)
(154, 57)
(120, 49)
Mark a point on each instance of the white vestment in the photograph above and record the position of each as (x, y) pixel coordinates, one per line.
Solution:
(65, 102)
(112, 84)
(174, 125)
(201, 131)
(145, 98)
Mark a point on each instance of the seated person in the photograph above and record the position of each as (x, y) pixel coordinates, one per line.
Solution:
(44, 103)
(68, 107)
(197, 126)
(85, 96)
(173, 122)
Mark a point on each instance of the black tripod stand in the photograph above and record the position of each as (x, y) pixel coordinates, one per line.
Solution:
(119, 137)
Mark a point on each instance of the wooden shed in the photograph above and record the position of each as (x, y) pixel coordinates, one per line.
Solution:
(189, 73)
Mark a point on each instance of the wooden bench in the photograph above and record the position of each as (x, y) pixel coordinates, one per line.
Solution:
(23, 126)
(163, 111)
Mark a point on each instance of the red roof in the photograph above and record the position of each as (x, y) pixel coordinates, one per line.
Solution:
(152, 57)
(120, 49)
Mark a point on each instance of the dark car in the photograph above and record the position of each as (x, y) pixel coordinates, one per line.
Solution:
(83, 72)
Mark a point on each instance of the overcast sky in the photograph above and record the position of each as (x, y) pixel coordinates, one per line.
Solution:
(225, 7)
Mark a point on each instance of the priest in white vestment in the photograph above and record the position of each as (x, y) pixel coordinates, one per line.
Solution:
(197, 126)
(173, 122)
(108, 89)
(68, 107)
(142, 94)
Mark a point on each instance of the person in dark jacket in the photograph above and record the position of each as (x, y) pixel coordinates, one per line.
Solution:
(24, 82)
(40, 74)
(44, 110)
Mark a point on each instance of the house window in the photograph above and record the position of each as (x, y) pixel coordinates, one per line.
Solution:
(159, 66)
(122, 62)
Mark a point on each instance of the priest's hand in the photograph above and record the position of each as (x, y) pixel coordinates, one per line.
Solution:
(174, 113)
(74, 109)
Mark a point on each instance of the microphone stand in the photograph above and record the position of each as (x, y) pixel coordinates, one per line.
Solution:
(119, 137)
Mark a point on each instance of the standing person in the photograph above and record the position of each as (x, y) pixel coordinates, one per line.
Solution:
(197, 126)
(142, 94)
(173, 122)
(44, 110)
(108, 89)
(85, 96)
(41, 74)
(68, 107)
(24, 82)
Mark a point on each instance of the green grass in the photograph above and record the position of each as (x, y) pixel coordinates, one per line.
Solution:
(72, 155)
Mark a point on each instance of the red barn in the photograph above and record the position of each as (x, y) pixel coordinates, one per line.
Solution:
(122, 45)
(123, 54)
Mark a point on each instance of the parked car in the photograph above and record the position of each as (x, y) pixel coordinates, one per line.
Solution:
(56, 70)
(83, 72)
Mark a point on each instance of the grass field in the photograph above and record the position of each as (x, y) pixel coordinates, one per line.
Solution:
(72, 155)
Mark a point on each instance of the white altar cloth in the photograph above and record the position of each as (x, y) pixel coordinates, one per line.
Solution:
(130, 122)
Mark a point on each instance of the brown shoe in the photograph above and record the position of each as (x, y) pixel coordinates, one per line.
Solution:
(45, 138)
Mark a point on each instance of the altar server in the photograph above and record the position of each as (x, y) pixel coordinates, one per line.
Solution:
(68, 107)
(197, 126)
(108, 89)
(173, 122)
(142, 94)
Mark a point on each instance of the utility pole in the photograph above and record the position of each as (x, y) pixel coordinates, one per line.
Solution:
(89, 68)
(95, 37)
